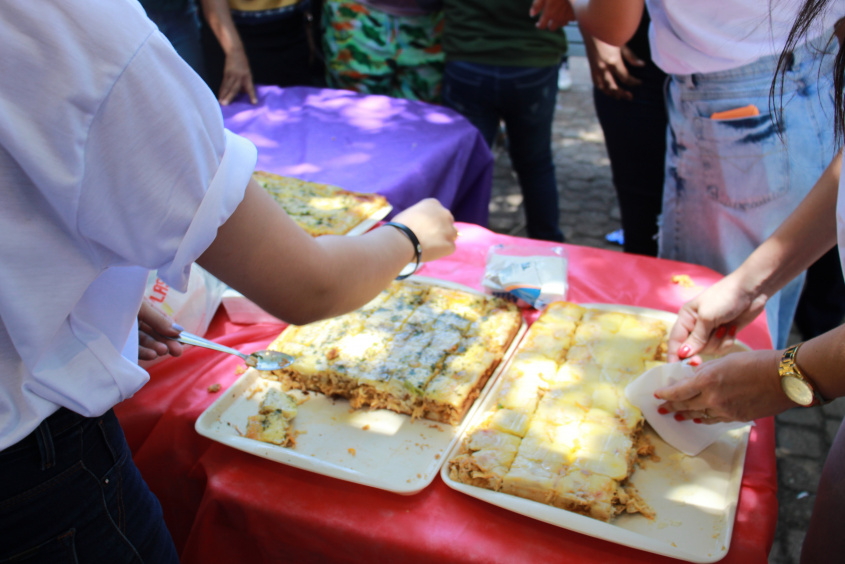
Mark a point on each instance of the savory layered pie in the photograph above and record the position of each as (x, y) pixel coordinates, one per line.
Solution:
(321, 209)
(420, 349)
(560, 430)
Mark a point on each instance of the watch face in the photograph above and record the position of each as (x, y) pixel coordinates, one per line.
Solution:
(797, 390)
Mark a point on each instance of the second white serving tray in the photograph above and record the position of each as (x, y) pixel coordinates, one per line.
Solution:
(694, 498)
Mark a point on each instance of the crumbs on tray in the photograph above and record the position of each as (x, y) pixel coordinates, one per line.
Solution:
(683, 280)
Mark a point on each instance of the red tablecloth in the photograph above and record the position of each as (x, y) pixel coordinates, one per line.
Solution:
(225, 506)
(403, 149)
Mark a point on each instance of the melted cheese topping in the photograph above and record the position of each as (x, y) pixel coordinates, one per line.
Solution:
(320, 209)
(563, 399)
(419, 349)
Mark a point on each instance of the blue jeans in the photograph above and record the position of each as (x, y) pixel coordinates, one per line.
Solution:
(69, 492)
(524, 98)
(730, 183)
(182, 28)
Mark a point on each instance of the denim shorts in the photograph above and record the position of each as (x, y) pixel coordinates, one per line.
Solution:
(730, 183)
(69, 492)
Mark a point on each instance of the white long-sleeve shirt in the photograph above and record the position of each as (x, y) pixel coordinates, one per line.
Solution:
(113, 161)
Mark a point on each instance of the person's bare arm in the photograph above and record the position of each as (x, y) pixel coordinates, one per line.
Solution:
(710, 321)
(821, 359)
(611, 21)
(554, 14)
(237, 76)
(262, 253)
(746, 386)
(607, 67)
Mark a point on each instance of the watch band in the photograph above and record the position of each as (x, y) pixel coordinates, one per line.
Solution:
(789, 368)
(414, 241)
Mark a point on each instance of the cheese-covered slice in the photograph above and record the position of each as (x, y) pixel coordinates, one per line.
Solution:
(461, 372)
(604, 448)
(529, 479)
(584, 492)
(541, 444)
(484, 438)
(510, 421)
(273, 422)
(520, 392)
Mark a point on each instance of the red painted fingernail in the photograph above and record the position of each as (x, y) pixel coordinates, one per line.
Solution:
(696, 420)
(656, 396)
(679, 417)
(694, 362)
(732, 331)
(662, 410)
(720, 332)
(684, 351)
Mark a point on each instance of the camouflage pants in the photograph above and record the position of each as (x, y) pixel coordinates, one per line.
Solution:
(373, 52)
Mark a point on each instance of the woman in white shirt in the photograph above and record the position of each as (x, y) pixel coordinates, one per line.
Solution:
(752, 385)
(734, 169)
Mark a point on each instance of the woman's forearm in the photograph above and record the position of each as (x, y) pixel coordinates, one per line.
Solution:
(219, 19)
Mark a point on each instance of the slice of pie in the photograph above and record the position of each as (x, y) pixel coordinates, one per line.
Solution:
(321, 209)
(274, 419)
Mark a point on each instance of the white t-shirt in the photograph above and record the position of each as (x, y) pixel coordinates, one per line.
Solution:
(689, 37)
(113, 161)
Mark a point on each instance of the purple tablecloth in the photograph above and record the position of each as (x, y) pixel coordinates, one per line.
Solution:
(402, 149)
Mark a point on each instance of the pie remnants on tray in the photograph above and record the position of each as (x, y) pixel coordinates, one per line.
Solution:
(561, 431)
(419, 349)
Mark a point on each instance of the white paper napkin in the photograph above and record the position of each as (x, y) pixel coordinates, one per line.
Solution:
(686, 436)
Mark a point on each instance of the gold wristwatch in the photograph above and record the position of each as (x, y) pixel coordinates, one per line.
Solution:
(794, 383)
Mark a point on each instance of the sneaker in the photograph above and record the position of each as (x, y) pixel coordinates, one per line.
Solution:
(617, 237)
(564, 79)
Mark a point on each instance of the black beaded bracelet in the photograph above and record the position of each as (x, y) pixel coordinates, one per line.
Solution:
(414, 241)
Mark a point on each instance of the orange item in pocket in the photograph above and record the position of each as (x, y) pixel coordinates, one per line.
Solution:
(743, 112)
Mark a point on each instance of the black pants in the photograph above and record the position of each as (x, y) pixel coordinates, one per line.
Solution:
(69, 492)
(822, 304)
(282, 52)
(635, 137)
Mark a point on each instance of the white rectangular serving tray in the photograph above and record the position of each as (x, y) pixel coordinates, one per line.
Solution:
(694, 498)
(370, 222)
(377, 448)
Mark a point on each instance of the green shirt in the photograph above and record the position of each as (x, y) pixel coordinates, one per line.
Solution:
(499, 32)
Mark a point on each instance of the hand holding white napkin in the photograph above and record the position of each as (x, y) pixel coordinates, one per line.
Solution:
(686, 436)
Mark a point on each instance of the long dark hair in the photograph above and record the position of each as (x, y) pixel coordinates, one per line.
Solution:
(810, 11)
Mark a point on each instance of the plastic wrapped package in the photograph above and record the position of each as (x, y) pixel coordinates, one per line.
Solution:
(529, 276)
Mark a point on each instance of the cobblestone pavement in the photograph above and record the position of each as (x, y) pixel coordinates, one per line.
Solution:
(589, 211)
